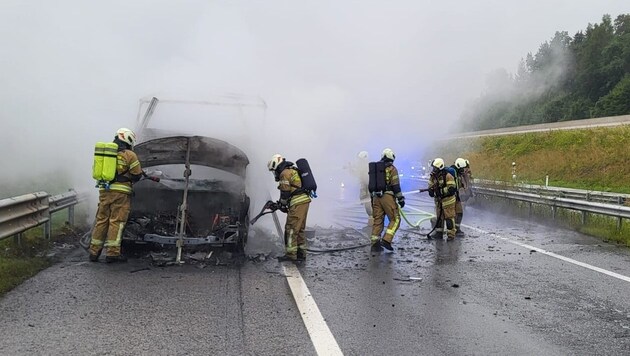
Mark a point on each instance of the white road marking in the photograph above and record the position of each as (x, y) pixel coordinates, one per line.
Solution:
(322, 338)
(555, 255)
(545, 252)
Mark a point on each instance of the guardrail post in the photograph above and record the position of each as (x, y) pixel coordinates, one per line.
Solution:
(71, 211)
(583, 217)
(48, 229)
(71, 215)
(620, 200)
(619, 223)
(553, 212)
(529, 209)
(17, 238)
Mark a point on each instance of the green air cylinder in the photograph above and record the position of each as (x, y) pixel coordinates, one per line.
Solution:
(105, 161)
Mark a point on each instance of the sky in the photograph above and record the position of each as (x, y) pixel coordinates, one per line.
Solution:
(337, 77)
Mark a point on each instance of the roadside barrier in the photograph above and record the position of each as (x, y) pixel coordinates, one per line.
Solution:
(24, 212)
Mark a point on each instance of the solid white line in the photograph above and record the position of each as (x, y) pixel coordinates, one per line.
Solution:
(322, 338)
(548, 253)
(555, 255)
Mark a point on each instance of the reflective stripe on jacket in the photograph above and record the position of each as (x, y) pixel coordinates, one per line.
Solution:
(127, 165)
(442, 182)
(290, 182)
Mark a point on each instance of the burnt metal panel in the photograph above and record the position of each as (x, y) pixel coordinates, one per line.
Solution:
(205, 151)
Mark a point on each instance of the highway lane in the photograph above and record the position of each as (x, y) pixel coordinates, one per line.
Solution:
(483, 294)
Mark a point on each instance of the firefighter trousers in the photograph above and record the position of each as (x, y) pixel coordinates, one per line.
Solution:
(459, 214)
(294, 235)
(382, 206)
(446, 213)
(111, 217)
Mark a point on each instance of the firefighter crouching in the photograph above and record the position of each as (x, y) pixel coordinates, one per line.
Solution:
(442, 188)
(385, 189)
(115, 201)
(295, 202)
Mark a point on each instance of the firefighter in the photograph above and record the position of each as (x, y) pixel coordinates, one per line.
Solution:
(360, 170)
(386, 202)
(295, 202)
(115, 201)
(461, 194)
(443, 188)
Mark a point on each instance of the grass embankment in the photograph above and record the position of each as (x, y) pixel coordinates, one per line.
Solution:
(19, 262)
(593, 159)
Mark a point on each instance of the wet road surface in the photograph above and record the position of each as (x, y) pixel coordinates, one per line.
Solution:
(486, 293)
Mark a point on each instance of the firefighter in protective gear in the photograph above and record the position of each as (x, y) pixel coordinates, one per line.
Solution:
(115, 201)
(385, 203)
(443, 188)
(360, 171)
(459, 166)
(295, 202)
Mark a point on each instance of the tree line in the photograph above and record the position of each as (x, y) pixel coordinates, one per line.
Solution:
(569, 78)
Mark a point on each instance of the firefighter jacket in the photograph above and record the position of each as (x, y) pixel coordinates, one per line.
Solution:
(444, 186)
(392, 181)
(290, 185)
(127, 166)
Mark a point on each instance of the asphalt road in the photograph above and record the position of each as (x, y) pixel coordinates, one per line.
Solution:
(502, 289)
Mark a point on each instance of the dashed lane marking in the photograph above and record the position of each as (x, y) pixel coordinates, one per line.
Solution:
(322, 338)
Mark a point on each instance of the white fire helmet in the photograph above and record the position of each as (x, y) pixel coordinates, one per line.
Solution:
(274, 162)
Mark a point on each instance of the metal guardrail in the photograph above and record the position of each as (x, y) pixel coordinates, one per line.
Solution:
(570, 193)
(27, 211)
(584, 206)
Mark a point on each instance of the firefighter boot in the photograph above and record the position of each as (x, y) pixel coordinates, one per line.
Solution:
(301, 255)
(386, 244)
(376, 247)
(114, 259)
(93, 258)
(437, 234)
(285, 258)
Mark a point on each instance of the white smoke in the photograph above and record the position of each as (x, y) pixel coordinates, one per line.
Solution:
(337, 77)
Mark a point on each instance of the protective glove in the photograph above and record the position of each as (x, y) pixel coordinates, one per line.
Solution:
(401, 202)
(283, 205)
(431, 193)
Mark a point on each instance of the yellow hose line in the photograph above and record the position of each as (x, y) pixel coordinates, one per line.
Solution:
(427, 216)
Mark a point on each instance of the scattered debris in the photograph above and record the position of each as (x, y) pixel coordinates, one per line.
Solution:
(455, 285)
(140, 269)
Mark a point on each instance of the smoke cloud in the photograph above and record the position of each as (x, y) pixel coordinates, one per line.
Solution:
(336, 77)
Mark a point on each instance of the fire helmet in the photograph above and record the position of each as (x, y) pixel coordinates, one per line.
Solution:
(127, 136)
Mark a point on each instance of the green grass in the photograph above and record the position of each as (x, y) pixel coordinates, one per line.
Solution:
(591, 159)
(18, 262)
(15, 270)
